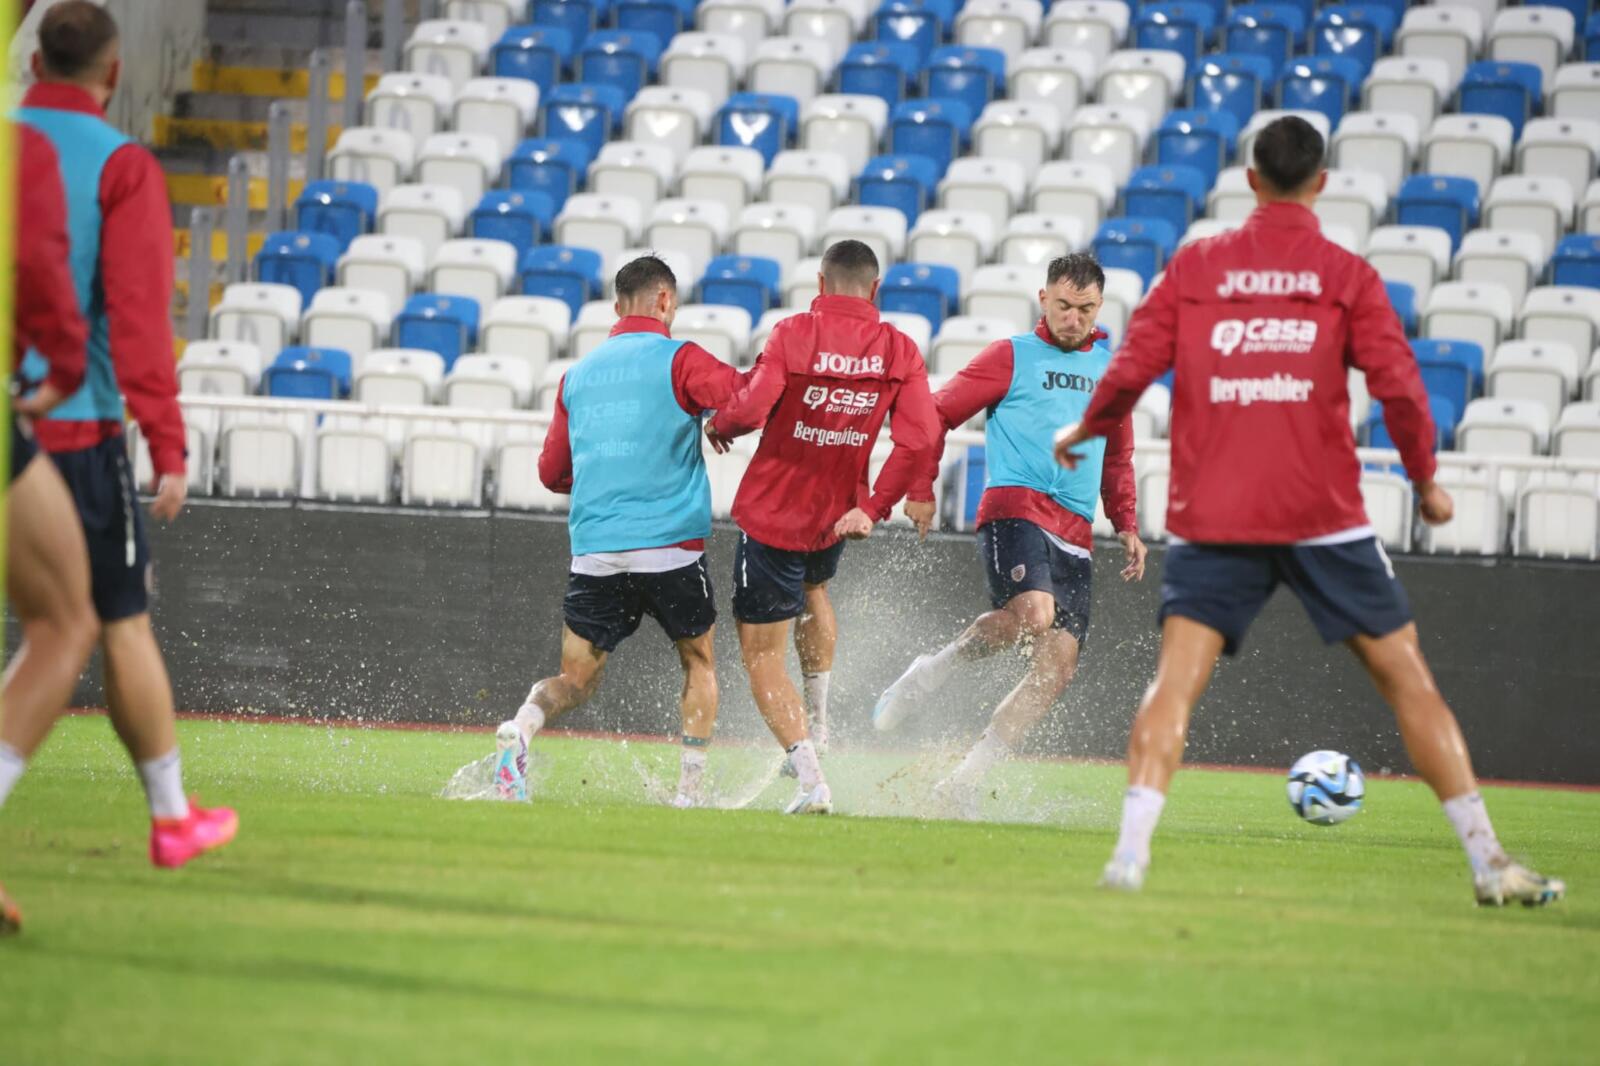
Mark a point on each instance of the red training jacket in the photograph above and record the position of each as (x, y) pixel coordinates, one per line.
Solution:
(983, 383)
(825, 383)
(1262, 325)
(46, 311)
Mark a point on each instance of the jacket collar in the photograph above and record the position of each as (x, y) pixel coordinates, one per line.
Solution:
(1042, 331)
(850, 306)
(61, 96)
(1283, 215)
(639, 324)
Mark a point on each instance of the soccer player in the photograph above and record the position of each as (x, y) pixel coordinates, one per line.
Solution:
(1261, 326)
(119, 225)
(625, 442)
(822, 389)
(1034, 520)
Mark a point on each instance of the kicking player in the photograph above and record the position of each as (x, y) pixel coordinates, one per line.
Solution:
(822, 388)
(625, 442)
(1034, 520)
(1261, 325)
(117, 213)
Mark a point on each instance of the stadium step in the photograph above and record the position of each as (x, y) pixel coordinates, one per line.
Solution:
(227, 134)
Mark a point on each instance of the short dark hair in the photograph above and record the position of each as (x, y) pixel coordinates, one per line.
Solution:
(644, 276)
(74, 36)
(1082, 269)
(1288, 152)
(850, 264)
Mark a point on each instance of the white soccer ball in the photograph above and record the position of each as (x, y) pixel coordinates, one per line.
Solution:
(1326, 787)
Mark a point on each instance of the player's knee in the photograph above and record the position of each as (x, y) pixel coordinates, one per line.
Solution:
(1034, 617)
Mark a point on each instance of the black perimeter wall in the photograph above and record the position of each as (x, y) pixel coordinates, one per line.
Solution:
(391, 615)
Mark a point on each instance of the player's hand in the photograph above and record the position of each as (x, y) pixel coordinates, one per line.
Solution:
(1136, 551)
(1437, 506)
(923, 515)
(40, 402)
(1067, 439)
(719, 443)
(171, 493)
(855, 525)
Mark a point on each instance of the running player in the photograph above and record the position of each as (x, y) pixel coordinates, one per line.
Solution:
(117, 215)
(1034, 520)
(625, 442)
(823, 387)
(1261, 326)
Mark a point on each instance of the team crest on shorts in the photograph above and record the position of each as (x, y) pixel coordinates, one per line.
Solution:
(1019, 572)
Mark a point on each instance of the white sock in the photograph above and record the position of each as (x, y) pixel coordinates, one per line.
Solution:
(937, 667)
(804, 759)
(11, 766)
(1471, 821)
(815, 688)
(691, 768)
(530, 719)
(1141, 809)
(989, 750)
(163, 785)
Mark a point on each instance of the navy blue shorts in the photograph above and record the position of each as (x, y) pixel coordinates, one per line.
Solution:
(1018, 557)
(769, 584)
(101, 482)
(23, 449)
(1347, 589)
(605, 611)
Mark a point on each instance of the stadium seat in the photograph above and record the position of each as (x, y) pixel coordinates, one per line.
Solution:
(1403, 298)
(606, 224)
(1007, 26)
(1202, 228)
(521, 219)
(479, 269)
(495, 15)
(911, 23)
(833, 22)
(1143, 79)
(1418, 86)
(1510, 90)
(1576, 90)
(1503, 427)
(447, 325)
(974, 76)
(1480, 313)
(1270, 32)
(259, 458)
(552, 167)
(534, 328)
(219, 368)
(1083, 191)
(963, 240)
(382, 158)
(1095, 27)
(636, 171)
(302, 373)
(663, 19)
(1577, 261)
(571, 275)
(1124, 289)
(1563, 314)
(709, 63)
(1577, 432)
(1589, 219)
(934, 128)
(392, 265)
(1591, 37)
(742, 281)
(798, 67)
(1543, 206)
(1448, 203)
(354, 321)
(1234, 85)
(1173, 193)
(1328, 84)
(586, 115)
(517, 485)
(800, 282)
(1543, 371)
(1383, 143)
(1513, 259)
(537, 53)
(765, 123)
(1361, 32)
(996, 187)
(1355, 199)
(489, 383)
(1565, 148)
(883, 229)
(1200, 140)
(722, 330)
(818, 180)
(467, 162)
(1387, 500)
(1537, 35)
(1559, 520)
(851, 126)
(1062, 77)
(1450, 33)
(1180, 26)
(1231, 199)
(926, 289)
(750, 20)
(1033, 239)
(1005, 292)
(1025, 133)
(499, 108)
(1455, 366)
(589, 330)
(731, 176)
(354, 460)
(621, 59)
(962, 337)
(903, 182)
(885, 69)
(302, 260)
(343, 210)
(577, 18)
(1417, 255)
(440, 467)
(784, 232)
(428, 214)
(1141, 245)
(695, 228)
(1112, 136)
(1476, 147)
(453, 48)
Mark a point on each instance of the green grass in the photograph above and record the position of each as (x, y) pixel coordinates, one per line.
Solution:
(358, 919)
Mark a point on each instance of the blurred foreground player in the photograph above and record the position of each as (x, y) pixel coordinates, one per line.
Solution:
(119, 224)
(822, 389)
(625, 442)
(1262, 326)
(1035, 519)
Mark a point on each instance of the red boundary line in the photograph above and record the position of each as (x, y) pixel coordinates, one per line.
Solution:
(656, 738)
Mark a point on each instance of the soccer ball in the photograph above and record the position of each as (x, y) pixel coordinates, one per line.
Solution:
(1326, 787)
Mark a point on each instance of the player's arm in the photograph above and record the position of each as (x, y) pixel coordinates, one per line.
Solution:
(1120, 495)
(555, 458)
(700, 381)
(47, 314)
(758, 393)
(915, 430)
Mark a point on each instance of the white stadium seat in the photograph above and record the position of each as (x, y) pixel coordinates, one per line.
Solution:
(1576, 92)
(1154, 482)
(1155, 404)
(800, 282)
(607, 224)
(1451, 33)
(1591, 377)
(1034, 239)
(388, 263)
(1416, 255)
(1387, 499)
(728, 174)
(749, 20)
(1020, 131)
(381, 157)
(1414, 85)
(784, 232)
(467, 162)
(535, 327)
(1589, 219)
(441, 467)
(883, 229)
(489, 382)
(1384, 143)
(1124, 289)
(1566, 314)
(1356, 199)
(818, 180)
(550, 381)
(638, 170)
(1112, 136)
(720, 329)
(1539, 205)
(1360, 398)
(495, 15)
(1469, 311)
(501, 108)
(355, 461)
(1577, 432)
(1201, 228)
(1512, 259)
(849, 124)
(481, 269)
(428, 214)
(712, 63)
(264, 314)
(726, 471)
(1503, 427)
(962, 337)
(1007, 25)
(996, 187)
(833, 22)
(797, 67)
(1558, 516)
(1062, 77)
(219, 368)
(769, 322)
(1006, 292)
(1148, 79)
(1479, 526)
(1468, 146)
(415, 103)
(352, 320)
(403, 377)
(517, 485)
(1084, 190)
(1563, 148)
(963, 240)
(1096, 27)
(1232, 199)
(259, 454)
(681, 265)
(201, 459)
(670, 116)
(1543, 371)
(1534, 34)
(914, 326)
(592, 326)
(449, 47)
(696, 228)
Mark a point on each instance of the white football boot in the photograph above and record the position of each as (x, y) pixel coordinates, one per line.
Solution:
(817, 801)
(511, 763)
(1122, 875)
(900, 699)
(1512, 882)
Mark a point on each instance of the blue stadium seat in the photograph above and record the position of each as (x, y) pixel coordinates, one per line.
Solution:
(1450, 203)
(308, 374)
(1463, 356)
(576, 18)
(1235, 84)
(1445, 417)
(625, 59)
(934, 128)
(1272, 32)
(536, 53)
(563, 272)
(1141, 245)
(750, 282)
(1174, 193)
(761, 121)
(1204, 140)
(1577, 261)
(344, 210)
(1181, 26)
(552, 167)
(1361, 32)
(885, 69)
(304, 260)
(1326, 83)
(447, 325)
(662, 18)
(924, 289)
(1403, 298)
(1395, 8)
(1591, 38)
(972, 75)
(903, 182)
(1508, 89)
(1449, 380)
(586, 114)
(520, 217)
(913, 22)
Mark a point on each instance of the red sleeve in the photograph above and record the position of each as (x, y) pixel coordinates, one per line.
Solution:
(758, 393)
(700, 381)
(136, 218)
(1378, 348)
(1147, 352)
(915, 430)
(1118, 489)
(555, 458)
(980, 384)
(47, 315)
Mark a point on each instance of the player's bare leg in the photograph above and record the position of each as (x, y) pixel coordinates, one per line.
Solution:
(765, 648)
(1439, 752)
(698, 707)
(1189, 653)
(816, 634)
(581, 666)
